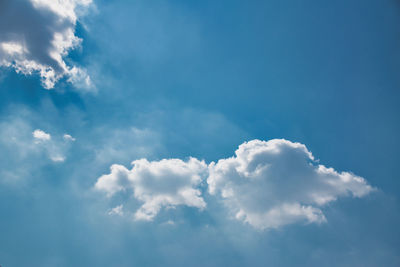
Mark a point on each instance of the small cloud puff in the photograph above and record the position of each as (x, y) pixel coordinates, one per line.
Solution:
(40, 135)
(157, 184)
(68, 137)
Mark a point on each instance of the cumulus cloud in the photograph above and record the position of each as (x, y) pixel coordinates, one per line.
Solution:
(35, 36)
(157, 184)
(274, 183)
(266, 184)
(40, 135)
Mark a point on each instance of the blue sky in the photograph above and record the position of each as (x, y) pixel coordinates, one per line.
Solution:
(199, 133)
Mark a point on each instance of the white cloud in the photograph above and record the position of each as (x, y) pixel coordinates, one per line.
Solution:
(37, 34)
(275, 183)
(157, 184)
(63, 8)
(40, 135)
(68, 137)
(266, 184)
(13, 48)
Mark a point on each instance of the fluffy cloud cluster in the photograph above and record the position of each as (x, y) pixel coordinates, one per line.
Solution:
(266, 184)
(35, 35)
(157, 184)
(274, 183)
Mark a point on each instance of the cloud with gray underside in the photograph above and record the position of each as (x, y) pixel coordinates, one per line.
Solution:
(35, 36)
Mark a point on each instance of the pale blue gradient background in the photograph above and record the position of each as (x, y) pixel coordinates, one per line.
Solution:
(198, 78)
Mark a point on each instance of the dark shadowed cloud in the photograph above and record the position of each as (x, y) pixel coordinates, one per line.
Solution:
(35, 35)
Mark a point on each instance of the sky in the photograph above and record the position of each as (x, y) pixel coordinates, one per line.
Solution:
(199, 133)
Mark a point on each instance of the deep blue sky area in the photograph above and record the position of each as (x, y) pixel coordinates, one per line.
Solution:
(180, 79)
